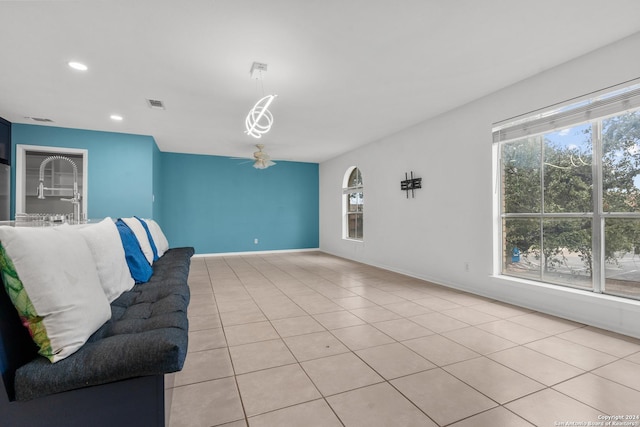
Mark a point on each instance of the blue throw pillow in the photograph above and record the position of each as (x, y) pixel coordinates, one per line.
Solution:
(139, 267)
(151, 242)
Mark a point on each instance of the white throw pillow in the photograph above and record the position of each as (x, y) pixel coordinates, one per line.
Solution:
(141, 234)
(106, 247)
(51, 277)
(162, 244)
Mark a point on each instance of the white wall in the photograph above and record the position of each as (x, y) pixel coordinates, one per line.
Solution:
(450, 221)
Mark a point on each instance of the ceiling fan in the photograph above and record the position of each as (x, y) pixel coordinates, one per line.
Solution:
(263, 160)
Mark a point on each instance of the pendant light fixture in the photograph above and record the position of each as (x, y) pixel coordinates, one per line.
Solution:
(259, 119)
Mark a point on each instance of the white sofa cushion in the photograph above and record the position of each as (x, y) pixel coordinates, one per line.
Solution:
(104, 241)
(162, 244)
(52, 280)
(141, 234)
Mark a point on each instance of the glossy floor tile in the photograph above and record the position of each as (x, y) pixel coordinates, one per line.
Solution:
(340, 373)
(260, 355)
(537, 366)
(275, 388)
(493, 379)
(316, 413)
(308, 339)
(379, 405)
(394, 360)
(443, 397)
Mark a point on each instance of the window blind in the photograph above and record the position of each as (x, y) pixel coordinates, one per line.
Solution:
(552, 119)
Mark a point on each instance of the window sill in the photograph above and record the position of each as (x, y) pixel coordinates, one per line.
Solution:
(567, 289)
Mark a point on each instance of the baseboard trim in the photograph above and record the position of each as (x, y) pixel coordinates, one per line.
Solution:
(279, 251)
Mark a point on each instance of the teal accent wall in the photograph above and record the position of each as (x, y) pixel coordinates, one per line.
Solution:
(120, 167)
(157, 188)
(215, 204)
(218, 204)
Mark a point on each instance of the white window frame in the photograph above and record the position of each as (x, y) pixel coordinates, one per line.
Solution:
(593, 109)
(21, 150)
(346, 191)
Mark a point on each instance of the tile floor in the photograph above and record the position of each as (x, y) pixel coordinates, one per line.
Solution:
(308, 339)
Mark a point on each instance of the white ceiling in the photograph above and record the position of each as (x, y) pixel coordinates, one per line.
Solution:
(347, 72)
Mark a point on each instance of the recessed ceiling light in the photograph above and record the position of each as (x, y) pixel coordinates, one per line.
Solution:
(116, 117)
(78, 66)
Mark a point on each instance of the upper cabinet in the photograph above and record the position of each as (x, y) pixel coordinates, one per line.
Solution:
(5, 141)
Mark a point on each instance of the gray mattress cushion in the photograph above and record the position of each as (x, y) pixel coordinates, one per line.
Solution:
(146, 335)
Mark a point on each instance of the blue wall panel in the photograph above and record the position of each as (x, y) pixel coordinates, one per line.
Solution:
(218, 204)
(215, 204)
(157, 186)
(120, 167)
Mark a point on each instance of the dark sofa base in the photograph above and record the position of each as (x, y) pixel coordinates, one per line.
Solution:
(117, 377)
(134, 402)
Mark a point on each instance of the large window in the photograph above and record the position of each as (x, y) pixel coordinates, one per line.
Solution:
(353, 202)
(570, 195)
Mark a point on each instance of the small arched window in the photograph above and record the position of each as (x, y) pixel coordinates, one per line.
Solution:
(353, 202)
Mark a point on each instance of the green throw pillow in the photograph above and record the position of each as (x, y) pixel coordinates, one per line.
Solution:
(24, 306)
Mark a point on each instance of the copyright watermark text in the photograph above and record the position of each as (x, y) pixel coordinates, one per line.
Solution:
(604, 421)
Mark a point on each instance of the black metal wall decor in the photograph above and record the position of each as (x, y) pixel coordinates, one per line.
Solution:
(410, 184)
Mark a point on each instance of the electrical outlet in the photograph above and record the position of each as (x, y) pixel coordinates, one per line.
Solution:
(466, 266)
(255, 241)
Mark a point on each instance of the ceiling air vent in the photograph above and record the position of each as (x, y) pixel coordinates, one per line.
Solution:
(155, 104)
(40, 119)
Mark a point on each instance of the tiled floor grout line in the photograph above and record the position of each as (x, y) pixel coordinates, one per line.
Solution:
(244, 278)
(384, 380)
(299, 363)
(388, 381)
(482, 412)
(323, 397)
(484, 355)
(551, 387)
(443, 366)
(437, 366)
(289, 349)
(235, 377)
